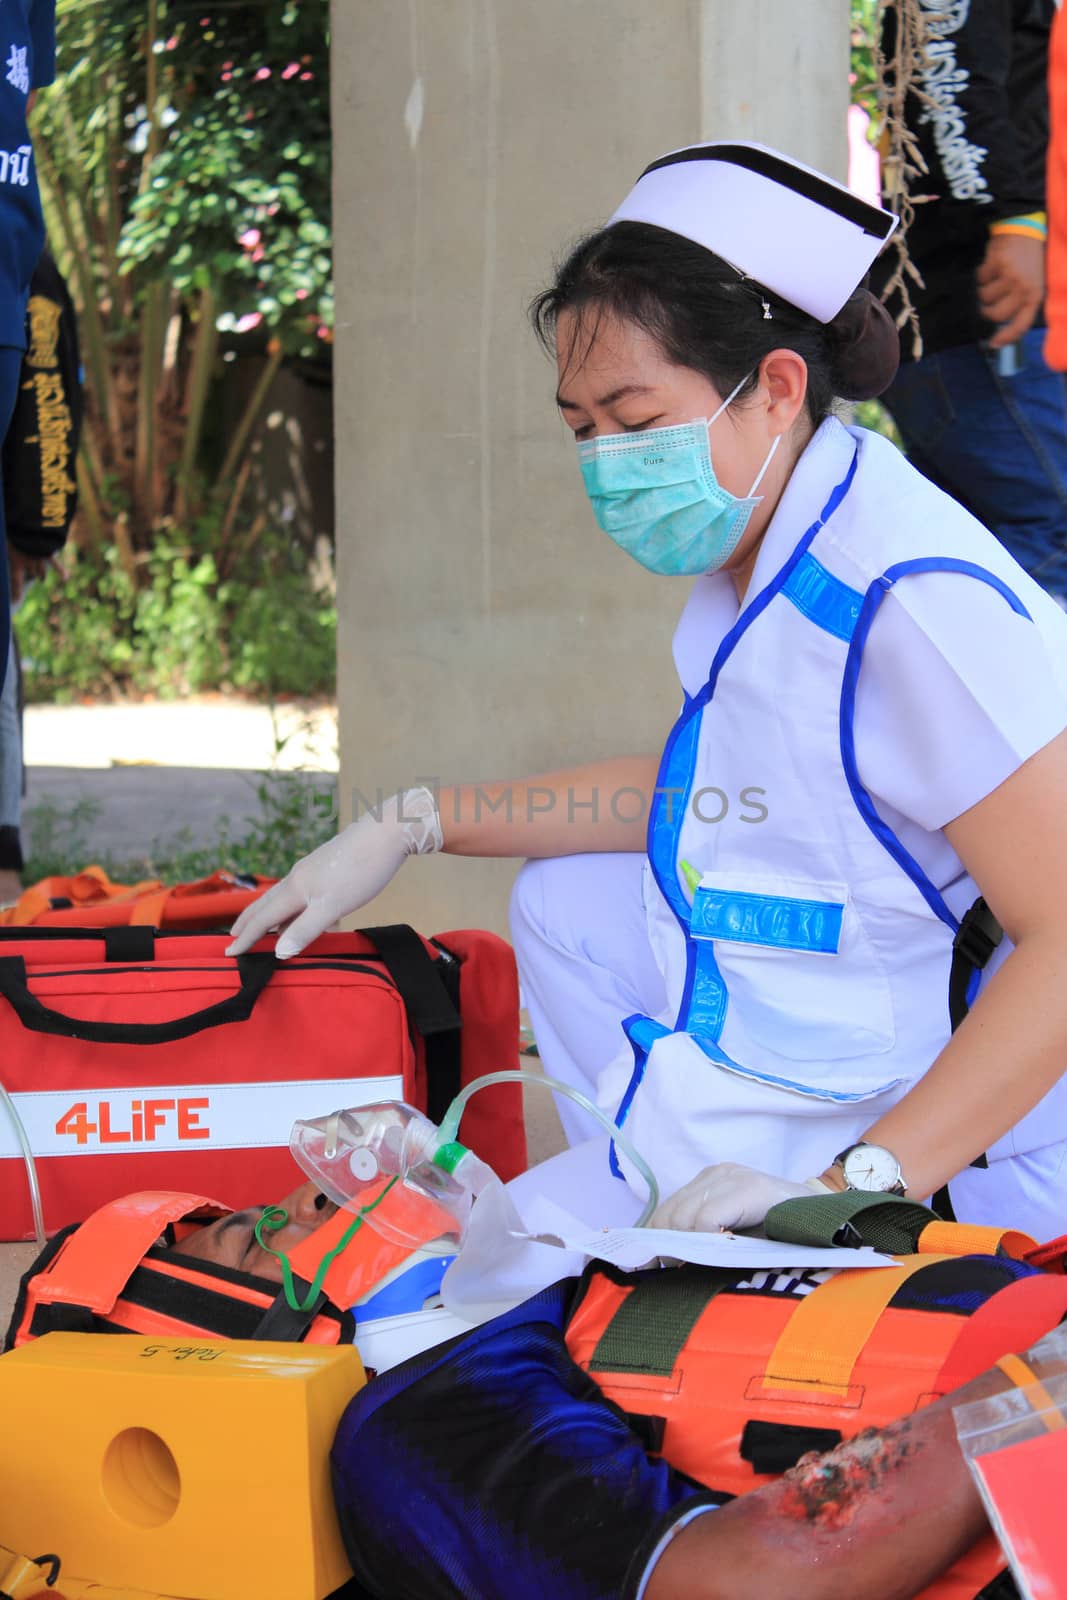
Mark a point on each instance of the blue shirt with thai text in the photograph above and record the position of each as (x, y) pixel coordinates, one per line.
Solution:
(27, 62)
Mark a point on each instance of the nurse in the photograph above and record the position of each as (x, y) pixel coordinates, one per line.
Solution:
(872, 734)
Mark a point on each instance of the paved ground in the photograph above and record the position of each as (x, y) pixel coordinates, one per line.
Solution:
(157, 770)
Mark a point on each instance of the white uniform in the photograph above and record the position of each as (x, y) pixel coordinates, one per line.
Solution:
(891, 666)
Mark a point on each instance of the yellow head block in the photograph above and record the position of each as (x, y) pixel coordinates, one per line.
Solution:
(198, 1470)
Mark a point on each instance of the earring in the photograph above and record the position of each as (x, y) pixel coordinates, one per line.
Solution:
(766, 311)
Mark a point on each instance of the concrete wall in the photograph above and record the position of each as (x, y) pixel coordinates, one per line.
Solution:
(487, 628)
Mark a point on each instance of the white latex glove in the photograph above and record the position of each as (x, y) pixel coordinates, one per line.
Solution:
(728, 1196)
(342, 874)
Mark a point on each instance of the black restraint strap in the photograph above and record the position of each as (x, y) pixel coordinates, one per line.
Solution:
(777, 1446)
(282, 1323)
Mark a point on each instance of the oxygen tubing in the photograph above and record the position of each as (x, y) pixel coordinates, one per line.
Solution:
(31, 1167)
(450, 1123)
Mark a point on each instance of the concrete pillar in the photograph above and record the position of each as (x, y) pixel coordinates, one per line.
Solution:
(487, 628)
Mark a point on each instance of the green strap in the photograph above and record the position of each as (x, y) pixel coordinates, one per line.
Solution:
(649, 1329)
(887, 1222)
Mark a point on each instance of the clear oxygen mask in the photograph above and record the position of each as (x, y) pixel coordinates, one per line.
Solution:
(415, 1187)
(393, 1165)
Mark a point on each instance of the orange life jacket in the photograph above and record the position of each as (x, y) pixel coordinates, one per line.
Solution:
(734, 1377)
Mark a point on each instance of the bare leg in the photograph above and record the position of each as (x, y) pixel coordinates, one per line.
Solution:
(831, 1528)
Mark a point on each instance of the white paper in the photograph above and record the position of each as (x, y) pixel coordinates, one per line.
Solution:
(630, 1248)
(505, 1260)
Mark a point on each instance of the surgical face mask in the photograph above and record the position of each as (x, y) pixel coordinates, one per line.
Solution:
(657, 496)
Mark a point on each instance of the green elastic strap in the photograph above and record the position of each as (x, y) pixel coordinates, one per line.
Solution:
(887, 1222)
(275, 1217)
(650, 1328)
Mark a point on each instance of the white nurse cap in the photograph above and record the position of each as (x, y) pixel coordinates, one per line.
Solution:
(796, 232)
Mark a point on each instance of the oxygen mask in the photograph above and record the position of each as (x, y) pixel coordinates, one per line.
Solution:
(412, 1185)
(355, 1156)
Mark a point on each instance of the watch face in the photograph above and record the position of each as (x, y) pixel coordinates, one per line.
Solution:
(872, 1168)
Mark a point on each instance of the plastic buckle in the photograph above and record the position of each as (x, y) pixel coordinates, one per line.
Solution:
(848, 1236)
(978, 935)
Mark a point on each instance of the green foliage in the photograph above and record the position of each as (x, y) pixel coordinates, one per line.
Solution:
(296, 813)
(238, 196)
(93, 630)
(193, 145)
(184, 155)
(866, 21)
(872, 414)
(61, 839)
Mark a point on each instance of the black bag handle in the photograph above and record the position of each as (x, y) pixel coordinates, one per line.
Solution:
(254, 972)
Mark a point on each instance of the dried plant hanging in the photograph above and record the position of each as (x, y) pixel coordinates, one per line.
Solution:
(900, 74)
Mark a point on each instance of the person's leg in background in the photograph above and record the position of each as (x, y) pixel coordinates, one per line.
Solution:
(996, 440)
(585, 963)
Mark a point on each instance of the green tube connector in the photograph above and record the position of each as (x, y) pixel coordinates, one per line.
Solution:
(449, 1155)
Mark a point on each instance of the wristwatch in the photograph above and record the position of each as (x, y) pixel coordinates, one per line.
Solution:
(870, 1168)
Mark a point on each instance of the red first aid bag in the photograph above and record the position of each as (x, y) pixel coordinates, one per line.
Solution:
(138, 1059)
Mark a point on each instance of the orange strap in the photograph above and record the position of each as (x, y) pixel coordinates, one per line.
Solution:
(94, 1264)
(148, 911)
(90, 887)
(1015, 1368)
(824, 1338)
(968, 1239)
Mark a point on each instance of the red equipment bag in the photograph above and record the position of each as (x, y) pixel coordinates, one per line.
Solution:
(140, 1059)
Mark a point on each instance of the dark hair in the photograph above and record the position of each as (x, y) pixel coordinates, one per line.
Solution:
(705, 315)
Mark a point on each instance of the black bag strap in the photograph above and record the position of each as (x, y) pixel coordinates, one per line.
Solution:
(429, 989)
(430, 1007)
(977, 937)
(444, 1052)
(254, 973)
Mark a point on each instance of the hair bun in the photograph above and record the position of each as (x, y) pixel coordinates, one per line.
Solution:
(864, 347)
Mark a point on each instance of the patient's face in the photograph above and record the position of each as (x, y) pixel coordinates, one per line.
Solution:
(231, 1241)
